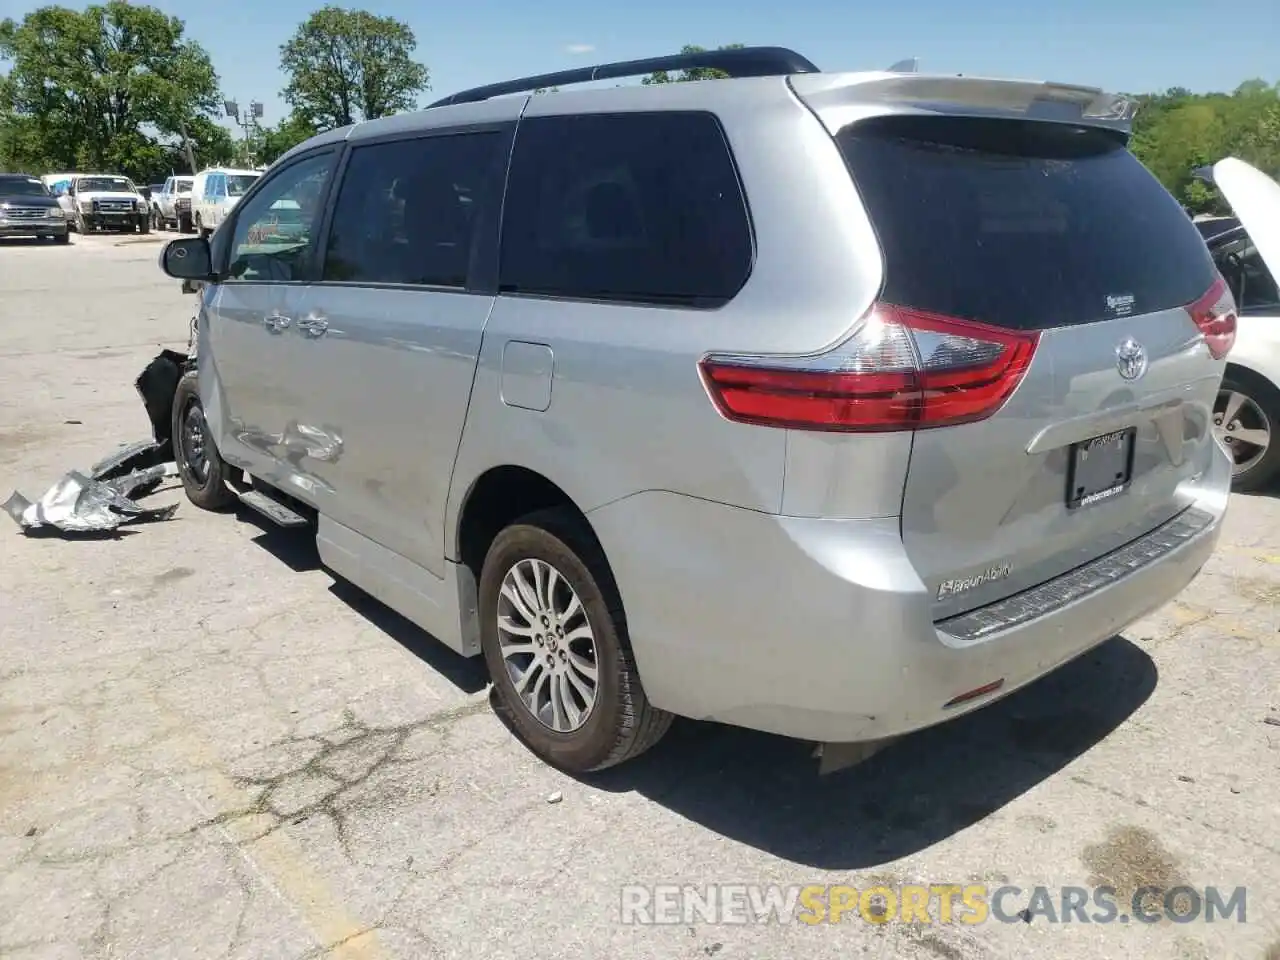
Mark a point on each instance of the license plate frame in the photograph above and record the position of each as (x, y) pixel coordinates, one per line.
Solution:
(1100, 468)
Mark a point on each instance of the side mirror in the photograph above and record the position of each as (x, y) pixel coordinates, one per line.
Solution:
(187, 259)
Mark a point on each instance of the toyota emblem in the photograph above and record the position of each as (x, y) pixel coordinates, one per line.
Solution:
(1131, 359)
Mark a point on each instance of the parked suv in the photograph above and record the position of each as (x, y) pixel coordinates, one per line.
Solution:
(832, 405)
(171, 205)
(28, 209)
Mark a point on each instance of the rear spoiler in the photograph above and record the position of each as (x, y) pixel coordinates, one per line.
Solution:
(842, 98)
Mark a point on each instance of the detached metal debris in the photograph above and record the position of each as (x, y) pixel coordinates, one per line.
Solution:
(103, 498)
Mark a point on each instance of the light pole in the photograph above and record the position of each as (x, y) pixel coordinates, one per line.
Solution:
(248, 122)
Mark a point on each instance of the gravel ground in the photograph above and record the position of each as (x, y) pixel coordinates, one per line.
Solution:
(209, 748)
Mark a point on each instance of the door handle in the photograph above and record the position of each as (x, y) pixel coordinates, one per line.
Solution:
(313, 326)
(275, 322)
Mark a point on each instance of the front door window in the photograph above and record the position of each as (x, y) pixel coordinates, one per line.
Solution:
(274, 236)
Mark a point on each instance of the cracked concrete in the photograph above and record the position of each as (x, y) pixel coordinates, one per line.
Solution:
(209, 749)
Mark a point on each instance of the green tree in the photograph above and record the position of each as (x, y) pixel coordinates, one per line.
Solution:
(348, 65)
(696, 73)
(211, 143)
(283, 137)
(103, 87)
(1177, 131)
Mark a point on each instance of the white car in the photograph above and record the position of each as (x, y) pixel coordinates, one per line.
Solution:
(1247, 251)
(98, 201)
(214, 193)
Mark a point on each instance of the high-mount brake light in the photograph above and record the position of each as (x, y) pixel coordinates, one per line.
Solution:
(901, 369)
(1215, 315)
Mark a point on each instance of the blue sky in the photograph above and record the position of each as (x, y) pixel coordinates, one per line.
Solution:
(1122, 45)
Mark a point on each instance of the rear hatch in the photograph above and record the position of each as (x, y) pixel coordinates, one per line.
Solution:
(1057, 234)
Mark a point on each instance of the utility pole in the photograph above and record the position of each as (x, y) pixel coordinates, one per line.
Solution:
(186, 145)
(248, 122)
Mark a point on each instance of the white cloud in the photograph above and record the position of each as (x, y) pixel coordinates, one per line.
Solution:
(580, 48)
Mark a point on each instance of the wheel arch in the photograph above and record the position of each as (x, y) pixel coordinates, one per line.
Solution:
(498, 497)
(1245, 374)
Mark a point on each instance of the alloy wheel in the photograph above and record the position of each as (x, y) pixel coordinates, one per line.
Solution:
(547, 645)
(1243, 427)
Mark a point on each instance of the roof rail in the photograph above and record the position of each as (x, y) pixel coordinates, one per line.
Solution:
(738, 62)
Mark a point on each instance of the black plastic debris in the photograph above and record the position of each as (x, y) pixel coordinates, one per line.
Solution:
(104, 497)
(158, 385)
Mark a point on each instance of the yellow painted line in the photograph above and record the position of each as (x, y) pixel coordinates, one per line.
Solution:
(1262, 556)
(1234, 628)
(276, 858)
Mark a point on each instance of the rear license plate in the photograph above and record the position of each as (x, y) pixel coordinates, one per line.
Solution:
(1100, 468)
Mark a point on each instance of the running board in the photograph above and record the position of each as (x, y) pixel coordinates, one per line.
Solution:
(271, 508)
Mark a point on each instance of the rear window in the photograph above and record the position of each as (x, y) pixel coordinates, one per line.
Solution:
(1023, 225)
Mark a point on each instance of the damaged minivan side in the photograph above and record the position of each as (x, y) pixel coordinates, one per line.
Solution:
(829, 405)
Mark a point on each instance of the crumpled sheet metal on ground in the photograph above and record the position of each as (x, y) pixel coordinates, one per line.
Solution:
(102, 500)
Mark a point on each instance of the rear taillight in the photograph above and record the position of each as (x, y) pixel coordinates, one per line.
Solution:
(901, 369)
(1215, 315)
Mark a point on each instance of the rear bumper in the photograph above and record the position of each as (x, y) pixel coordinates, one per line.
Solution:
(822, 630)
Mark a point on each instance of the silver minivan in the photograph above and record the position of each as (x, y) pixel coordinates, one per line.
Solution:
(827, 404)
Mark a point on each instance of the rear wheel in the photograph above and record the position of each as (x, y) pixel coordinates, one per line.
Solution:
(184, 223)
(1245, 419)
(554, 640)
(200, 467)
(144, 226)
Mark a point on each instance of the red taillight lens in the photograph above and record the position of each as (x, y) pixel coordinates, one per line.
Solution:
(901, 369)
(1215, 315)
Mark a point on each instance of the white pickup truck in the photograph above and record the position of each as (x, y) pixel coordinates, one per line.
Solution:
(172, 205)
(105, 201)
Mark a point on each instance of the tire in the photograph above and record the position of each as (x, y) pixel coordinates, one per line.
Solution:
(200, 228)
(82, 228)
(63, 238)
(144, 226)
(205, 483)
(184, 223)
(621, 723)
(1260, 410)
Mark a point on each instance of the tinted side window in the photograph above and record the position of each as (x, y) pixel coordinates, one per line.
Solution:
(408, 210)
(272, 239)
(1021, 224)
(636, 207)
